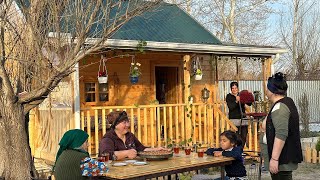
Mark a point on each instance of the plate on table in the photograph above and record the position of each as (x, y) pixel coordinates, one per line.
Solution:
(119, 164)
(140, 163)
(130, 161)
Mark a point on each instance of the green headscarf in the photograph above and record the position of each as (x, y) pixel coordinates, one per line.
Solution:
(72, 139)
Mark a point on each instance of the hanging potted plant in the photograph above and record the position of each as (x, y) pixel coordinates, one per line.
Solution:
(198, 75)
(197, 69)
(102, 73)
(134, 72)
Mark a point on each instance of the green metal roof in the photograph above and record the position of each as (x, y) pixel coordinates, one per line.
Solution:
(166, 23)
(163, 23)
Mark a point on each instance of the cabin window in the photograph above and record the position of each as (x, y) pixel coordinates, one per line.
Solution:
(95, 92)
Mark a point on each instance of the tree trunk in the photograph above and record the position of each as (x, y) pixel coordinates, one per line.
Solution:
(14, 153)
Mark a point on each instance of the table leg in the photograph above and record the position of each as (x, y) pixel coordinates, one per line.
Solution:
(222, 173)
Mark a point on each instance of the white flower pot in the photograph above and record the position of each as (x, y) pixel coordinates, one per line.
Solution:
(198, 77)
(103, 79)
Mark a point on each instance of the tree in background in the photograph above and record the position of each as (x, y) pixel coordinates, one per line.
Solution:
(300, 32)
(236, 21)
(40, 43)
(303, 104)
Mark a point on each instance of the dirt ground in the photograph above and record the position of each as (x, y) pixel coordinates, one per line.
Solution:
(306, 171)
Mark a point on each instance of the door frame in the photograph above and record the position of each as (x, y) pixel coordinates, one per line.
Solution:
(160, 63)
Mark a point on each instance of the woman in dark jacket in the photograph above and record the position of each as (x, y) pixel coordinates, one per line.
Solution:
(119, 142)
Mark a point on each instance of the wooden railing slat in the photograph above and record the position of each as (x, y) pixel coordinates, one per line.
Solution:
(170, 123)
(145, 126)
(89, 131)
(96, 131)
(206, 123)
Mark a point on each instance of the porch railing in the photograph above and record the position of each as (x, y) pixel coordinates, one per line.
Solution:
(154, 125)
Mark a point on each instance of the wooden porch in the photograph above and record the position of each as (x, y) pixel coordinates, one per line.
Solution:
(154, 125)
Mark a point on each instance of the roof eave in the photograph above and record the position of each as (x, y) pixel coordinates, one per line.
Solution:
(195, 48)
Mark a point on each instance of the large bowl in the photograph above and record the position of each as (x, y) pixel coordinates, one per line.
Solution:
(154, 157)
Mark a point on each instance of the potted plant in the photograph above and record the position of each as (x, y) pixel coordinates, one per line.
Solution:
(102, 77)
(186, 145)
(102, 73)
(198, 75)
(134, 72)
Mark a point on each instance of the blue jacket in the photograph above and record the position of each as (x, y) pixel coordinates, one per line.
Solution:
(236, 169)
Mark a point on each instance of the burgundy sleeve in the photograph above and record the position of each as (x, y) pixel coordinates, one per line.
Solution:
(139, 146)
(106, 145)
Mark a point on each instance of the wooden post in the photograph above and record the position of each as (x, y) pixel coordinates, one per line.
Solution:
(187, 87)
(266, 70)
(96, 131)
(237, 68)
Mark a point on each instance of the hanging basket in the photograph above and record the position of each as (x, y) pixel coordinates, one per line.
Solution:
(197, 69)
(103, 79)
(133, 79)
(102, 73)
(198, 77)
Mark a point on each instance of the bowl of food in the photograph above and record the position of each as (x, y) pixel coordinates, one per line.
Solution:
(155, 155)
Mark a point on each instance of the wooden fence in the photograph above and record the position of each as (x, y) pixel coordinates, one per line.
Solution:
(153, 125)
(312, 156)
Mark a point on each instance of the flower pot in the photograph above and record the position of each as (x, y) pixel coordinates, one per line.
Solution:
(103, 79)
(134, 79)
(187, 151)
(198, 77)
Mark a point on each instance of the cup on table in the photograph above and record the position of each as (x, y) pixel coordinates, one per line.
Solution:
(176, 149)
(187, 150)
(104, 157)
(200, 153)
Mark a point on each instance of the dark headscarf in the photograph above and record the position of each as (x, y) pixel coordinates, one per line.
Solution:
(72, 139)
(277, 84)
(122, 117)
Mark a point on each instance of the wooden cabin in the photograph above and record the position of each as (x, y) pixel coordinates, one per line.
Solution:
(159, 104)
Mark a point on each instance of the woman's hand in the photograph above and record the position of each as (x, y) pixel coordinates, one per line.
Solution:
(217, 153)
(131, 153)
(274, 166)
(237, 99)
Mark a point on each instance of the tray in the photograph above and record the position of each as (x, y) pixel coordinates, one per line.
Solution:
(154, 157)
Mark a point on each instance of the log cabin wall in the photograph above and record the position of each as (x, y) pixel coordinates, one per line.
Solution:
(120, 90)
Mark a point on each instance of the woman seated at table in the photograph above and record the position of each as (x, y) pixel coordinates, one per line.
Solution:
(119, 142)
(73, 148)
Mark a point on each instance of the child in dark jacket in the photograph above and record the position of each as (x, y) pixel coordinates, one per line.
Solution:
(231, 147)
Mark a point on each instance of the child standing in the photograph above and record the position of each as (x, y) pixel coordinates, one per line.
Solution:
(231, 146)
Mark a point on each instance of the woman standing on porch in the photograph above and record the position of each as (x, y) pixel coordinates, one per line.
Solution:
(119, 142)
(237, 111)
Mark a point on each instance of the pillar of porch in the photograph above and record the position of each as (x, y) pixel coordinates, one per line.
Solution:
(266, 70)
(187, 130)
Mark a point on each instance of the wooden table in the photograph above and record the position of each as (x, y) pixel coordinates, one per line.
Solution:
(174, 165)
